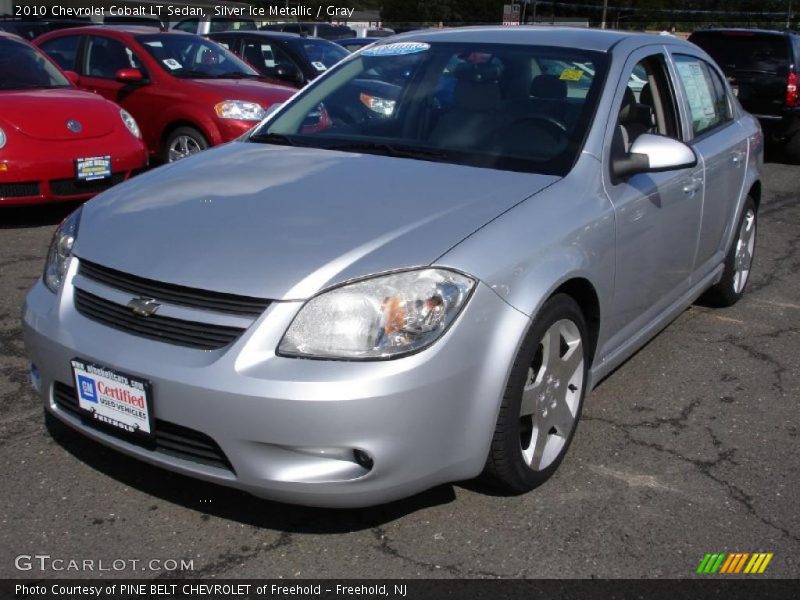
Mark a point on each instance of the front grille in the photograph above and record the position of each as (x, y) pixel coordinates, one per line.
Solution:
(204, 336)
(173, 294)
(73, 187)
(19, 190)
(174, 440)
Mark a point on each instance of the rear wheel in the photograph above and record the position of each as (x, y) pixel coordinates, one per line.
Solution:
(738, 263)
(183, 142)
(543, 399)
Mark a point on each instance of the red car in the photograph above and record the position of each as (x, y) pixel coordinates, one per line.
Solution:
(57, 142)
(186, 92)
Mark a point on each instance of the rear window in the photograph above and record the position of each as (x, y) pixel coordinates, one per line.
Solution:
(745, 51)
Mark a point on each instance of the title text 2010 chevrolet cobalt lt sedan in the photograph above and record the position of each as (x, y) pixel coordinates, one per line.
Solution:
(533, 217)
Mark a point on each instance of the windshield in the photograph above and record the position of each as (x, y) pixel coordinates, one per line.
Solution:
(513, 107)
(191, 56)
(23, 68)
(321, 54)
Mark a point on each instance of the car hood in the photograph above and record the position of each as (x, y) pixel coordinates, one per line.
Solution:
(43, 114)
(245, 89)
(284, 222)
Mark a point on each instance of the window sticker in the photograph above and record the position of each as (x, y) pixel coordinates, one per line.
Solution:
(319, 66)
(698, 93)
(571, 74)
(396, 49)
(172, 63)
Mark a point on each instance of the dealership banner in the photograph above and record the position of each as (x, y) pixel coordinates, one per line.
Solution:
(417, 589)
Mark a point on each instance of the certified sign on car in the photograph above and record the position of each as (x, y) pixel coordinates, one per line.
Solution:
(92, 169)
(114, 398)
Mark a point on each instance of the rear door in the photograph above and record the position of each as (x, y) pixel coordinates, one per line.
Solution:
(756, 65)
(721, 143)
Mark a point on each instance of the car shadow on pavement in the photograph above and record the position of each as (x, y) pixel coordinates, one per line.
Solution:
(227, 503)
(40, 215)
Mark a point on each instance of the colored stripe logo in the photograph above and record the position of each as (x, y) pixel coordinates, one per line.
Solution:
(734, 563)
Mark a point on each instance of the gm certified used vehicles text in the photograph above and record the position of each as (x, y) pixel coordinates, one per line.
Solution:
(763, 68)
(57, 142)
(243, 317)
(186, 92)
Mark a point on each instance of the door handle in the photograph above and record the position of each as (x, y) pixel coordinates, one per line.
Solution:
(694, 184)
(737, 158)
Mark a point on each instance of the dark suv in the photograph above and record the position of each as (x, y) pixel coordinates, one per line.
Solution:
(763, 68)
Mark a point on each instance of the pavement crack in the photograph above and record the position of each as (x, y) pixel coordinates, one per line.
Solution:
(704, 466)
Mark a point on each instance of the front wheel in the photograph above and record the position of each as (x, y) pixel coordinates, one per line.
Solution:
(183, 142)
(543, 399)
(738, 262)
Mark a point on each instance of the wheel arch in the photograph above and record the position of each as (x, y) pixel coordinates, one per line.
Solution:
(585, 295)
(755, 193)
(170, 128)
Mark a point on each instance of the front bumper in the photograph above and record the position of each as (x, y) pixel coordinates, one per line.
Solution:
(45, 172)
(287, 426)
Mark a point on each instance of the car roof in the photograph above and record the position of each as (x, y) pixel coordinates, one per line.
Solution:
(260, 32)
(568, 37)
(123, 29)
(776, 32)
(360, 40)
(13, 36)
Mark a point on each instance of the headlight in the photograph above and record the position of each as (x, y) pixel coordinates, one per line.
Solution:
(2, 138)
(382, 106)
(238, 109)
(380, 317)
(130, 123)
(60, 251)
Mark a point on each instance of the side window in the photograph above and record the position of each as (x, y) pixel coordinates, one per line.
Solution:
(648, 105)
(705, 93)
(266, 57)
(63, 50)
(188, 25)
(104, 57)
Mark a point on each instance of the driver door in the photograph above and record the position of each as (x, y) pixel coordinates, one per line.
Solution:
(658, 215)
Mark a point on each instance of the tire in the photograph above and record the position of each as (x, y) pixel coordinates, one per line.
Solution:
(183, 142)
(542, 385)
(738, 262)
(792, 149)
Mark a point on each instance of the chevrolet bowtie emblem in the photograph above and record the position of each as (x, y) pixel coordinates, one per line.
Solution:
(144, 307)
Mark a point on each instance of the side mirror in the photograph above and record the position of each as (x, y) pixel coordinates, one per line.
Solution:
(289, 73)
(74, 78)
(653, 153)
(131, 76)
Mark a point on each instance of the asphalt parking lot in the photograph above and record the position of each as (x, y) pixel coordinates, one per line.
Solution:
(690, 447)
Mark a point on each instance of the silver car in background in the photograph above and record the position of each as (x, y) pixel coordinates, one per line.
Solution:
(410, 274)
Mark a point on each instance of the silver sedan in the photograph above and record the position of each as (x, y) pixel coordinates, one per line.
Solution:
(412, 273)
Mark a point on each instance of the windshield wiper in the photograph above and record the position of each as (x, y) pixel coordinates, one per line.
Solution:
(273, 138)
(401, 151)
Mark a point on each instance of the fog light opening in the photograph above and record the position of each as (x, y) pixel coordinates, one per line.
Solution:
(363, 459)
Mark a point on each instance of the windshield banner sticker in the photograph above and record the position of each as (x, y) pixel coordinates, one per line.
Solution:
(396, 49)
